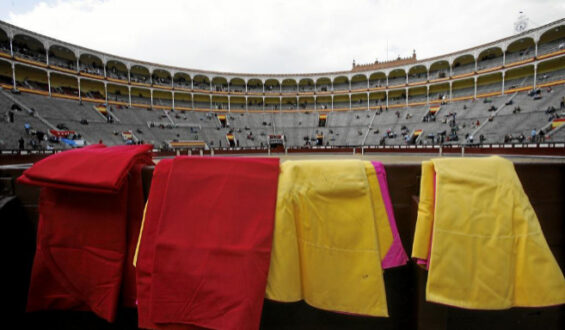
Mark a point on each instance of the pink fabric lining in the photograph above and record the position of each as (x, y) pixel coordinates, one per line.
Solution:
(426, 262)
(396, 255)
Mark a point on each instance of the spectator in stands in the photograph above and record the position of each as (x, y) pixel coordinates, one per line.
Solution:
(10, 116)
(521, 138)
(27, 127)
(533, 135)
(562, 105)
(21, 143)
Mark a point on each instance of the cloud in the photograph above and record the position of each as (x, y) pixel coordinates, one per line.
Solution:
(292, 36)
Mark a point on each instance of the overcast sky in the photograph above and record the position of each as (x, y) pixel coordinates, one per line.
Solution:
(279, 36)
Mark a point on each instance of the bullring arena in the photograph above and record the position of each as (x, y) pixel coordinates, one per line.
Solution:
(505, 97)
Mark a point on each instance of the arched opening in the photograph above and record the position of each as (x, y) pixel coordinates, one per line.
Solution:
(220, 84)
(237, 85)
(220, 102)
(323, 85)
(417, 73)
(306, 85)
(272, 103)
(377, 100)
(341, 102)
(289, 103)
(117, 93)
(551, 70)
(519, 77)
(182, 80)
(4, 43)
(359, 101)
(463, 88)
(439, 70)
(201, 102)
(552, 40)
(255, 103)
(489, 84)
(140, 75)
(237, 103)
(161, 78)
(117, 70)
(359, 83)
(183, 101)
(162, 99)
(439, 93)
(341, 83)
(62, 57)
(31, 78)
(6, 74)
(397, 97)
(201, 83)
(417, 95)
(462, 65)
(91, 64)
(140, 97)
(91, 90)
(323, 102)
(396, 78)
(289, 86)
(377, 80)
(520, 50)
(306, 103)
(29, 48)
(64, 85)
(254, 86)
(489, 59)
(272, 86)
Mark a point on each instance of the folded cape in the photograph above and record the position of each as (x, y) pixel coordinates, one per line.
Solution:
(205, 248)
(482, 238)
(332, 233)
(90, 210)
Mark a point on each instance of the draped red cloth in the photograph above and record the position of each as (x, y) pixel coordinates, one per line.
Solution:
(205, 248)
(90, 206)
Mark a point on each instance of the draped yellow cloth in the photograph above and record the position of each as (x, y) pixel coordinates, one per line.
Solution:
(485, 245)
(331, 232)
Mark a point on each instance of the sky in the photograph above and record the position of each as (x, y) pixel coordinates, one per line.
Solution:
(276, 36)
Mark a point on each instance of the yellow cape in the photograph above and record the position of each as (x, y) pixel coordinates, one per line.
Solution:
(331, 232)
(487, 247)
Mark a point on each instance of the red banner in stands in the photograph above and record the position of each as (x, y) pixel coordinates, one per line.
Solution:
(61, 133)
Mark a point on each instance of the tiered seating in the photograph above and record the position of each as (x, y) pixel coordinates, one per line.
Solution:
(251, 129)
